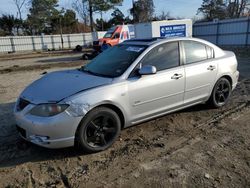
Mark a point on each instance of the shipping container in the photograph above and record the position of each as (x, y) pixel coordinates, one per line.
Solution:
(165, 28)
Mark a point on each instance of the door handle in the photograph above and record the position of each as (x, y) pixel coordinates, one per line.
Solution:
(176, 76)
(211, 68)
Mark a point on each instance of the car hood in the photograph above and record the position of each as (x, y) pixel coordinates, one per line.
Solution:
(104, 39)
(56, 86)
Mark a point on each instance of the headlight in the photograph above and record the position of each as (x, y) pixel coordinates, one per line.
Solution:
(47, 110)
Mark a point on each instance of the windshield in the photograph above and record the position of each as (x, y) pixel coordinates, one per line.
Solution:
(110, 32)
(108, 35)
(114, 61)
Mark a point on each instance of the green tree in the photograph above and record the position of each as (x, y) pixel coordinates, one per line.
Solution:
(42, 15)
(69, 21)
(64, 22)
(117, 18)
(102, 25)
(142, 11)
(8, 23)
(127, 20)
(212, 9)
(96, 6)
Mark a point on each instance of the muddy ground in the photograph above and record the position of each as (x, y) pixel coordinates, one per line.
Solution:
(197, 147)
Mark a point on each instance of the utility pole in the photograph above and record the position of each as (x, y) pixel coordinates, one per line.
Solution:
(133, 6)
(91, 15)
(61, 32)
(102, 22)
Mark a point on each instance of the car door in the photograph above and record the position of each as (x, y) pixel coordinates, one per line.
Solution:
(200, 69)
(115, 39)
(151, 95)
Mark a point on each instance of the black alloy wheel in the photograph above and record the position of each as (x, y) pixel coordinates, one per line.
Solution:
(99, 130)
(221, 93)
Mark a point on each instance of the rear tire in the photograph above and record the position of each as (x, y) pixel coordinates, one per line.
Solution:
(221, 93)
(98, 130)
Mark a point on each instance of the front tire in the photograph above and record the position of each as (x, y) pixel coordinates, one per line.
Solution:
(221, 93)
(98, 130)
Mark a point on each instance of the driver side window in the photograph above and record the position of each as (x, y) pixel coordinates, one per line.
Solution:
(164, 56)
(117, 36)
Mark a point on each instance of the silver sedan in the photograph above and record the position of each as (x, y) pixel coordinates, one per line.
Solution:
(128, 84)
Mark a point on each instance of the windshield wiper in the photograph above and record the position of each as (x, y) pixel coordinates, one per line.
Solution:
(88, 71)
(93, 73)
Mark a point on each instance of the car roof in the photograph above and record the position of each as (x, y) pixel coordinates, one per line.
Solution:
(151, 41)
(141, 41)
(160, 40)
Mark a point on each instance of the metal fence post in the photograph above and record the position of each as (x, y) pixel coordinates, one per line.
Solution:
(247, 33)
(42, 41)
(52, 42)
(217, 33)
(84, 39)
(69, 43)
(33, 43)
(12, 44)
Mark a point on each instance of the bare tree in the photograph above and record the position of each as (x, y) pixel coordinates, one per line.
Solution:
(237, 8)
(81, 7)
(164, 15)
(142, 11)
(87, 8)
(19, 4)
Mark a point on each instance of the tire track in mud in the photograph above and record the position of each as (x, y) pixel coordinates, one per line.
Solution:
(205, 126)
(190, 137)
(192, 134)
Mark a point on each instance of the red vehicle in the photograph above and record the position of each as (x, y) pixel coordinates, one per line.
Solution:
(115, 36)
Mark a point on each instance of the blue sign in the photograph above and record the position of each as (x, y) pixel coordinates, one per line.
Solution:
(173, 31)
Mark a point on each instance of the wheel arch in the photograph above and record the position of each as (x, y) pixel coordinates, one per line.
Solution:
(229, 78)
(115, 109)
(111, 106)
(107, 105)
(210, 99)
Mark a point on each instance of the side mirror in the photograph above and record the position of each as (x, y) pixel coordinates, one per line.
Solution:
(147, 70)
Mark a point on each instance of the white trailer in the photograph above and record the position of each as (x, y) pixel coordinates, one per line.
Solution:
(165, 28)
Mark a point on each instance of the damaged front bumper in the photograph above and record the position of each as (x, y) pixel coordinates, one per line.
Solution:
(51, 132)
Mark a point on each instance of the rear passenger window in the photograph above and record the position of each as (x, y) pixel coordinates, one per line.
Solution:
(195, 51)
(163, 57)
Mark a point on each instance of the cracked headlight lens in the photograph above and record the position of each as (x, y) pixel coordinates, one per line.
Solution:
(78, 109)
(47, 110)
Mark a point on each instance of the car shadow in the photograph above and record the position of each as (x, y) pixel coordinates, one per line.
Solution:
(14, 150)
(197, 108)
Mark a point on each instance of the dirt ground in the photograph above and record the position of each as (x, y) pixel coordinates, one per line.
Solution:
(196, 147)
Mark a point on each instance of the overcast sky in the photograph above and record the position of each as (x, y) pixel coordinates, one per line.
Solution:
(177, 8)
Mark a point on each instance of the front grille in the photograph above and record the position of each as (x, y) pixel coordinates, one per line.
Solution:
(21, 131)
(22, 103)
